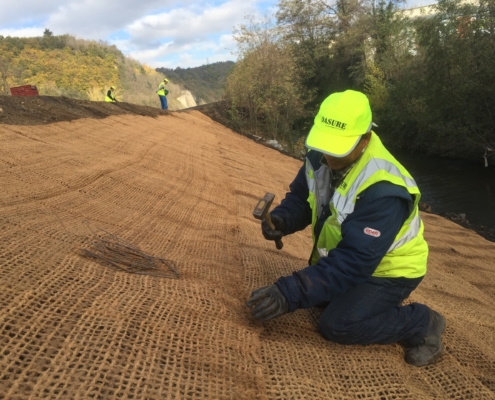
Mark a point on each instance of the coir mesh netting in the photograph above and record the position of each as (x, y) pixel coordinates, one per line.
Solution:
(182, 188)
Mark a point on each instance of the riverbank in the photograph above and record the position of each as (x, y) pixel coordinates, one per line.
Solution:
(428, 187)
(461, 219)
(484, 231)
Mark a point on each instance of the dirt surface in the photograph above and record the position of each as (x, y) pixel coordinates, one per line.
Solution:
(40, 110)
(183, 187)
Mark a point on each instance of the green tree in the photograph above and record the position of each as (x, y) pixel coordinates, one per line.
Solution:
(309, 27)
(430, 80)
(264, 89)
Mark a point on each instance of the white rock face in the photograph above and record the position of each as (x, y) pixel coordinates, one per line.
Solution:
(186, 99)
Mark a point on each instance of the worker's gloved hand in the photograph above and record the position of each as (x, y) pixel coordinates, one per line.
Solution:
(269, 233)
(268, 303)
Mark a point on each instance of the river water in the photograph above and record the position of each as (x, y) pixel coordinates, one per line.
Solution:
(453, 186)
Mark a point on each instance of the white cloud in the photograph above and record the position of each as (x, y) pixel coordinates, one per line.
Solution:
(149, 56)
(24, 11)
(191, 37)
(157, 32)
(96, 18)
(187, 55)
(186, 26)
(227, 41)
(22, 32)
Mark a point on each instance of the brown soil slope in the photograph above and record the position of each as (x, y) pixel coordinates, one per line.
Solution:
(42, 110)
(182, 187)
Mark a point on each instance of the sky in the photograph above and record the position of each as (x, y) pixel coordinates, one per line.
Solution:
(159, 33)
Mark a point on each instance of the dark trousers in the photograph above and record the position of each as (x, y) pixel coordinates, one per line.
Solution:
(163, 101)
(372, 313)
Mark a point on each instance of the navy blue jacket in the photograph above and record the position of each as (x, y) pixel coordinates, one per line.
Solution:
(383, 206)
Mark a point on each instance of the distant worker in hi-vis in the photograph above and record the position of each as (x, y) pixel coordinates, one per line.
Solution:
(162, 94)
(368, 251)
(110, 97)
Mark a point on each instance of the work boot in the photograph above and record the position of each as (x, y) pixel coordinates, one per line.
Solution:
(430, 348)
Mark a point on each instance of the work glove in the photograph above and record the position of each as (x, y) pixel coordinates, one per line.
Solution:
(269, 233)
(268, 303)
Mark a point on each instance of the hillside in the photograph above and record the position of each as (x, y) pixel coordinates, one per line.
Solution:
(182, 187)
(81, 69)
(206, 82)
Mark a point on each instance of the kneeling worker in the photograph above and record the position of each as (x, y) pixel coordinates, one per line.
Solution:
(110, 98)
(369, 253)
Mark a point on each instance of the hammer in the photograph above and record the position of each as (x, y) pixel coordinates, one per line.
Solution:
(261, 211)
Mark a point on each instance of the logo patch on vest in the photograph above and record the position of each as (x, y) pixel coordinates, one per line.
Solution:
(372, 232)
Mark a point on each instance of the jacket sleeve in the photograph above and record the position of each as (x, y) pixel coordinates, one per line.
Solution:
(294, 208)
(383, 207)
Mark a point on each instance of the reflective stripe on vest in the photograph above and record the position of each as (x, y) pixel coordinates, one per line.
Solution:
(415, 227)
(376, 164)
(345, 204)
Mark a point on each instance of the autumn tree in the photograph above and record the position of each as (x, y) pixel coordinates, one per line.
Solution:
(5, 68)
(9, 72)
(264, 89)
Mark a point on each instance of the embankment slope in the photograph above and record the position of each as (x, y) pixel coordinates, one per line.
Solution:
(183, 187)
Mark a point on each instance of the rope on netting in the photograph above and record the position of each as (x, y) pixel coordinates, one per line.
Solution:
(114, 251)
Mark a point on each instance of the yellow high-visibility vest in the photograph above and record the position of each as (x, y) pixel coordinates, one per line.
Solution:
(161, 90)
(408, 254)
(108, 99)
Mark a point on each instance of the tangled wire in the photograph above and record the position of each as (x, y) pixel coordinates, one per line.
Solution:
(124, 256)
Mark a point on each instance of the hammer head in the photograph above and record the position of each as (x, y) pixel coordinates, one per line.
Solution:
(263, 206)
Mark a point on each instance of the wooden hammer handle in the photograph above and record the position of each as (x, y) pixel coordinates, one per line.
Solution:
(268, 219)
